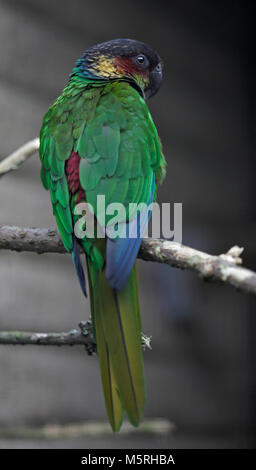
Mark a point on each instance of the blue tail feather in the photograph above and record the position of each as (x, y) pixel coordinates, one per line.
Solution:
(78, 266)
(122, 252)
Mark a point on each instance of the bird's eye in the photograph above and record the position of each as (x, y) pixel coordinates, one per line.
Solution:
(158, 68)
(140, 59)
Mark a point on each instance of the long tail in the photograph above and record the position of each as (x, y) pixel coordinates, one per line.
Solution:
(117, 329)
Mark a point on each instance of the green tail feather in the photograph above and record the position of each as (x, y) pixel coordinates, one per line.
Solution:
(117, 329)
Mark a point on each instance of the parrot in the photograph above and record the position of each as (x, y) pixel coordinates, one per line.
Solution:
(98, 138)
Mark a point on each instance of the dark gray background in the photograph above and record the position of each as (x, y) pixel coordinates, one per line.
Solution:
(201, 371)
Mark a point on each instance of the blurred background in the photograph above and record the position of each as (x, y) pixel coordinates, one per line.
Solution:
(201, 372)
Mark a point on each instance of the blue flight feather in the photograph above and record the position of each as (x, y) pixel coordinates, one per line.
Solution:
(78, 266)
(122, 252)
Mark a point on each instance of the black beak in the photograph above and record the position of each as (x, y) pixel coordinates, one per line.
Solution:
(155, 80)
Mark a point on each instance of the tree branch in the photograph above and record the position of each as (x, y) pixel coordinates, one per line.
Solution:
(19, 156)
(83, 337)
(71, 338)
(152, 427)
(224, 268)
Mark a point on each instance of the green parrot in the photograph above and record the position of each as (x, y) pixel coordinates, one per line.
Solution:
(98, 138)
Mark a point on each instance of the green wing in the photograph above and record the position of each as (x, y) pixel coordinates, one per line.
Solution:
(63, 124)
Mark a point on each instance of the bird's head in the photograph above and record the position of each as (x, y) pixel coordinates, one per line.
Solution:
(122, 59)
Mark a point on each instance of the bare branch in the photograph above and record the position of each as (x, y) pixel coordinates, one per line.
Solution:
(70, 338)
(38, 240)
(83, 337)
(157, 426)
(224, 268)
(19, 156)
